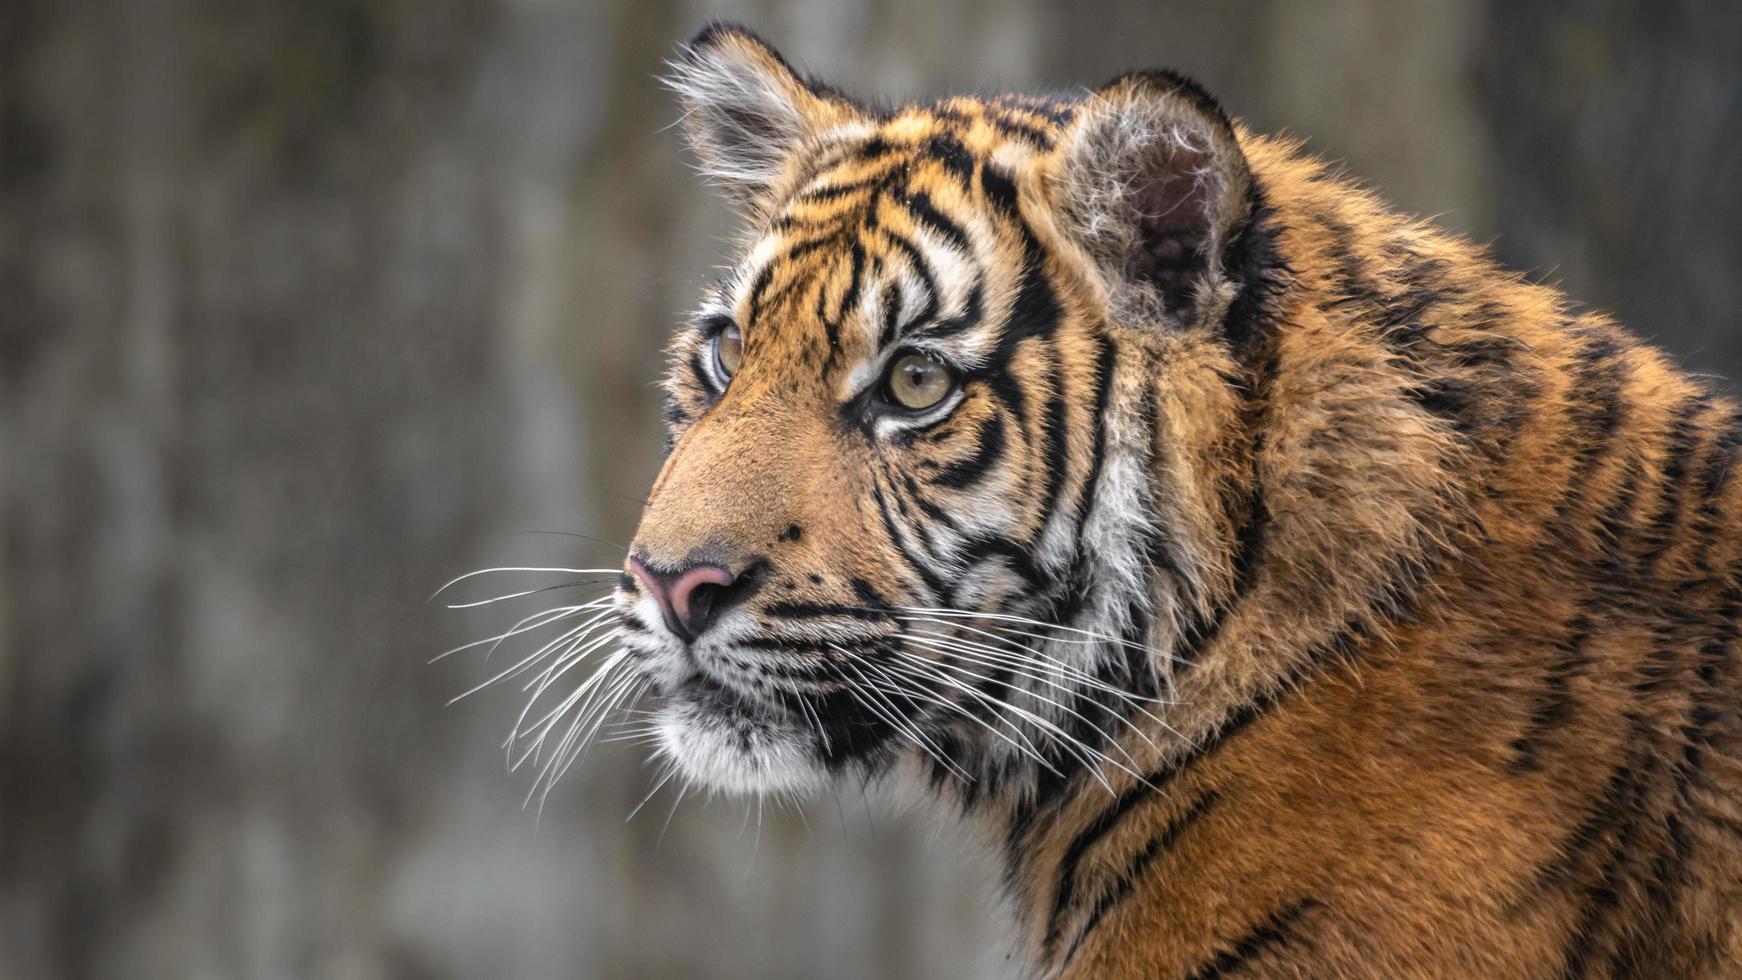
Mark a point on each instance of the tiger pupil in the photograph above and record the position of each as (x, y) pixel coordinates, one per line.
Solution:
(917, 382)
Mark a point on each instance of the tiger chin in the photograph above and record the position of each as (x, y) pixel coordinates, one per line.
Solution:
(1287, 589)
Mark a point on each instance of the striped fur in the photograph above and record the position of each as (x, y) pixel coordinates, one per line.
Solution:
(1390, 604)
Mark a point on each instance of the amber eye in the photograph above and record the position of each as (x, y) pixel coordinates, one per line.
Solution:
(918, 382)
(728, 350)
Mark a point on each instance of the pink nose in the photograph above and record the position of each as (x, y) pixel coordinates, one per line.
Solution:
(689, 598)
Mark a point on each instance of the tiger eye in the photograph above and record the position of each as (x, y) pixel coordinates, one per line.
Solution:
(917, 381)
(728, 351)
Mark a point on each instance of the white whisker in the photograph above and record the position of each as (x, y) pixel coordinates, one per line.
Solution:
(525, 592)
(1018, 670)
(1059, 732)
(525, 625)
(1083, 753)
(1026, 747)
(523, 568)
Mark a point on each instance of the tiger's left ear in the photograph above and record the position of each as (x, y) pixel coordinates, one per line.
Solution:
(1154, 185)
(746, 111)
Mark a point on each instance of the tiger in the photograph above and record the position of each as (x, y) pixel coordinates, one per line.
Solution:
(1277, 585)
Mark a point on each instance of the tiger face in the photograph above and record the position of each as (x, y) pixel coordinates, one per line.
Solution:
(903, 515)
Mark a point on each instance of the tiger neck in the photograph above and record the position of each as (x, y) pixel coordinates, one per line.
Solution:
(1282, 565)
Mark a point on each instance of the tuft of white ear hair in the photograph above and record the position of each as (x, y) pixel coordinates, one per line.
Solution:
(1154, 185)
(745, 110)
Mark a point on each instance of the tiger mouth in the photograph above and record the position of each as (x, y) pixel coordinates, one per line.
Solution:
(828, 724)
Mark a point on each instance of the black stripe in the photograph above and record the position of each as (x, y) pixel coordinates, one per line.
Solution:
(1035, 314)
(1338, 646)
(868, 594)
(1106, 361)
(1057, 462)
(925, 213)
(891, 314)
(1258, 266)
(1446, 399)
(921, 269)
(999, 189)
(758, 287)
(849, 296)
(928, 508)
(1026, 132)
(822, 610)
(1600, 382)
(937, 586)
(1057, 113)
(1272, 933)
(798, 249)
(979, 550)
(1066, 874)
(1134, 869)
(830, 192)
(968, 319)
(1554, 706)
(916, 531)
(699, 373)
(1615, 816)
(1684, 438)
(1712, 480)
(854, 731)
(950, 152)
(1007, 392)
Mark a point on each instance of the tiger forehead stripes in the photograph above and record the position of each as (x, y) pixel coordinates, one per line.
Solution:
(1284, 588)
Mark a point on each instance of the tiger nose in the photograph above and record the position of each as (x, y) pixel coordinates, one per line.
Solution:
(690, 598)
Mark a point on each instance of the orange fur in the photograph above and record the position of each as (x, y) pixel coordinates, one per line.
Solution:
(1445, 594)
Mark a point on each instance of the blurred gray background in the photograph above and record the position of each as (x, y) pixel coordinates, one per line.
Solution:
(306, 307)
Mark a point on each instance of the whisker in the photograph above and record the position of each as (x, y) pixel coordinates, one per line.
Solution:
(682, 790)
(622, 690)
(893, 685)
(534, 657)
(1081, 752)
(523, 593)
(563, 756)
(670, 771)
(975, 657)
(586, 695)
(907, 728)
(1037, 659)
(1089, 636)
(1026, 747)
(522, 568)
(525, 625)
(1070, 711)
(567, 662)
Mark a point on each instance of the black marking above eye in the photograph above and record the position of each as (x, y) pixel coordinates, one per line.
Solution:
(713, 325)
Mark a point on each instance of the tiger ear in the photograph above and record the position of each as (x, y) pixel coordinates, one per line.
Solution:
(1154, 186)
(745, 110)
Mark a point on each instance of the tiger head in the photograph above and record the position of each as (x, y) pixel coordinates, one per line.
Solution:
(917, 503)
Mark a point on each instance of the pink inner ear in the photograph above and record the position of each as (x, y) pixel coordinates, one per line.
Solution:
(1173, 193)
(1171, 209)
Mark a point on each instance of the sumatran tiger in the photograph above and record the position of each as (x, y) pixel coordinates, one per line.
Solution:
(1284, 588)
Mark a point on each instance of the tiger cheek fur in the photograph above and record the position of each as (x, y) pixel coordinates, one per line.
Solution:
(1283, 587)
